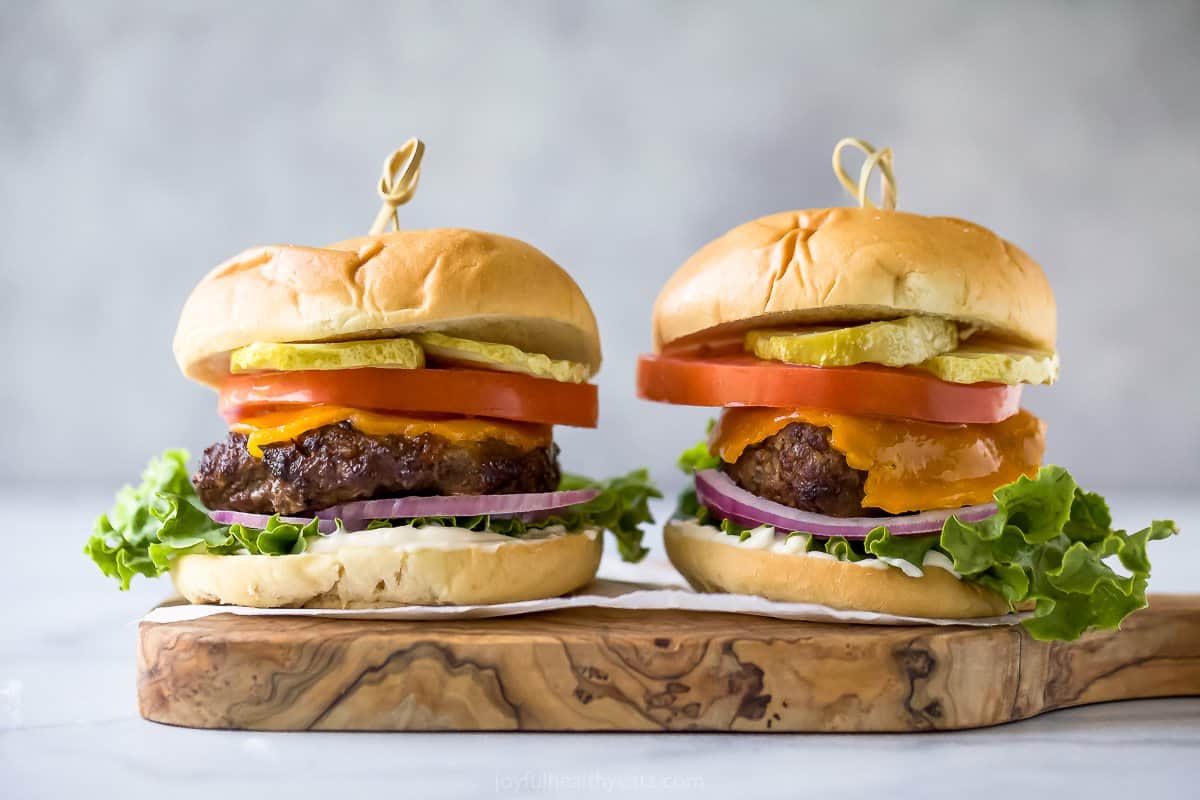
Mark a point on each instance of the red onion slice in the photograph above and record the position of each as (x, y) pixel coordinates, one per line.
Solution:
(729, 501)
(354, 516)
(260, 520)
(462, 505)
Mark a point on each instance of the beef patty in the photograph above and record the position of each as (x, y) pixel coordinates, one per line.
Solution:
(337, 464)
(800, 468)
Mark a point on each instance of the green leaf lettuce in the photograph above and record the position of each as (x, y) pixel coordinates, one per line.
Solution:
(691, 461)
(1049, 544)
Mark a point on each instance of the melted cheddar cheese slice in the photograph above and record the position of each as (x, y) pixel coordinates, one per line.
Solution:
(910, 466)
(286, 426)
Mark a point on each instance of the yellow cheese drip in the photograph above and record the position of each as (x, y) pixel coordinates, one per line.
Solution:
(286, 426)
(910, 466)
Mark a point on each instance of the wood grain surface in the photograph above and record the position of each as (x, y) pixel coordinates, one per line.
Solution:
(607, 670)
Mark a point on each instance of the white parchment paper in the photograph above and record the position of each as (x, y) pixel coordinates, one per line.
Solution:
(648, 586)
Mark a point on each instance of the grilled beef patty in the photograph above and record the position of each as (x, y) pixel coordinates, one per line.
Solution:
(800, 468)
(338, 464)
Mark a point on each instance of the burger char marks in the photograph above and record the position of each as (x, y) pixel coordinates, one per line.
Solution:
(338, 464)
(800, 468)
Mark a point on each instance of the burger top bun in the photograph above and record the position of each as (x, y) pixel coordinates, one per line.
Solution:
(471, 284)
(847, 265)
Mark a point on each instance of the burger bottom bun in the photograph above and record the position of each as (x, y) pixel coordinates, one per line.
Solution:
(379, 577)
(714, 566)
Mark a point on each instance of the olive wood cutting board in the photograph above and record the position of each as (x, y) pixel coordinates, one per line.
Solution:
(594, 669)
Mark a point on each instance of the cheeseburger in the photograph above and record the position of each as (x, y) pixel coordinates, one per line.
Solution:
(871, 452)
(391, 402)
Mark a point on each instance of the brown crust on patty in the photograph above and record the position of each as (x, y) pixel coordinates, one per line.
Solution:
(338, 464)
(800, 468)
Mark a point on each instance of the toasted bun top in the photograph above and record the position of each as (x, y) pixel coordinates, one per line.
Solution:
(476, 285)
(855, 265)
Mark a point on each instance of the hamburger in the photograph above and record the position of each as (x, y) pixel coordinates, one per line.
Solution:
(871, 452)
(391, 402)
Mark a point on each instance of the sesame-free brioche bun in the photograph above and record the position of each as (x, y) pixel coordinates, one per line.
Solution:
(714, 566)
(380, 577)
(466, 283)
(855, 265)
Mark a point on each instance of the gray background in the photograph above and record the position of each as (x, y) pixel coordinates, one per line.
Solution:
(140, 145)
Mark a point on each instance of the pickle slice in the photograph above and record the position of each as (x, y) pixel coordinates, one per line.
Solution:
(994, 363)
(893, 343)
(285, 357)
(505, 357)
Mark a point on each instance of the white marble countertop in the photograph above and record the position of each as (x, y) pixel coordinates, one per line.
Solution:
(69, 725)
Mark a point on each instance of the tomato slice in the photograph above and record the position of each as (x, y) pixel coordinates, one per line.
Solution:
(865, 389)
(469, 392)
